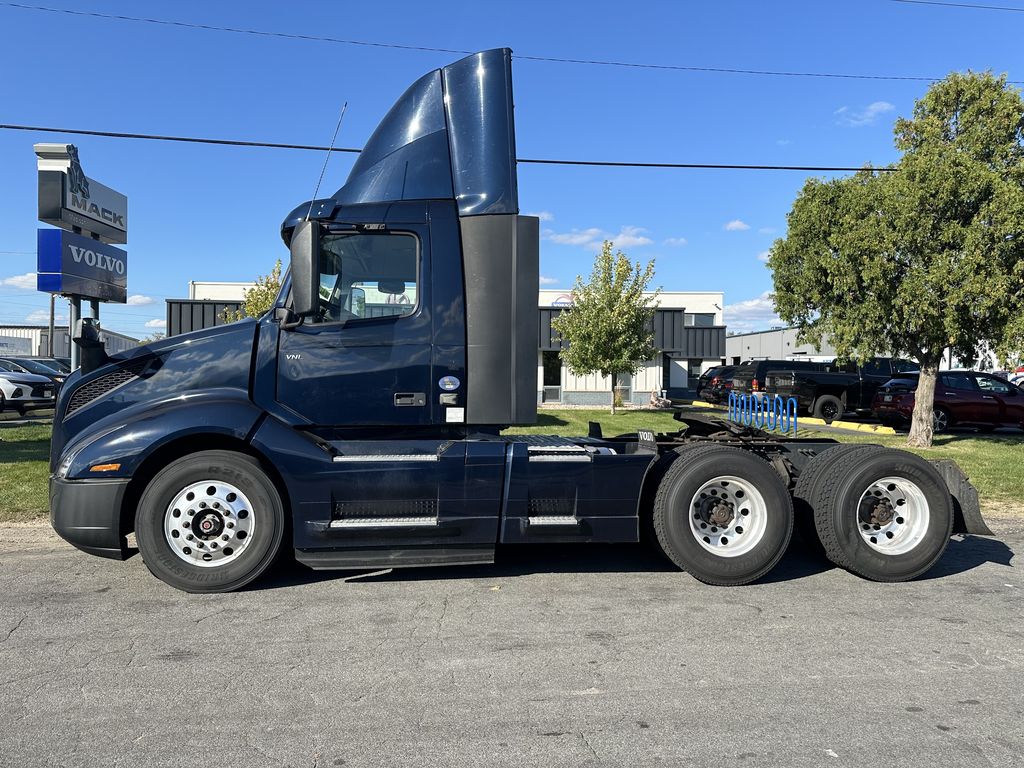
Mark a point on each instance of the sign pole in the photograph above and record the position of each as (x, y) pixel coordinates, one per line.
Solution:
(49, 339)
(75, 316)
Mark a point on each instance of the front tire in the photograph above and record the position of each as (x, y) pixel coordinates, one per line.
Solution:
(210, 522)
(722, 515)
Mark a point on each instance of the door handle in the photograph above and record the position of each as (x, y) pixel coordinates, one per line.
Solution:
(951, 394)
(987, 397)
(406, 399)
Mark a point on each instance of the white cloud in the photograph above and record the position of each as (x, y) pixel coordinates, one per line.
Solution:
(783, 142)
(156, 323)
(855, 118)
(548, 280)
(138, 300)
(543, 215)
(763, 256)
(677, 242)
(767, 230)
(751, 315)
(43, 316)
(736, 225)
(26, 281)
(592, 237)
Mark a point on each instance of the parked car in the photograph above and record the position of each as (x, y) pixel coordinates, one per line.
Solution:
(714, 384)
(841, 387)
(30, 365)
(25, 391)
(962, 398)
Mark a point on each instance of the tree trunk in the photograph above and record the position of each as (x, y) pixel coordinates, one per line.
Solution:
(612, 377)
(921, 427)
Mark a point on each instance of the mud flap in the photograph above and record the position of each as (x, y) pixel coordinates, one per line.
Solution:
(966, 508)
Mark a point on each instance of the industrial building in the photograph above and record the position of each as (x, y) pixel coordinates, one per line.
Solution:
(689, 335)
(12, 336)
(776, 344)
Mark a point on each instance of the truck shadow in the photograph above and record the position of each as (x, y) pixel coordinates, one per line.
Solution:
(963, 554)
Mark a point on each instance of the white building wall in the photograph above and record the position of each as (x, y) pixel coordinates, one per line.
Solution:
(218, 291)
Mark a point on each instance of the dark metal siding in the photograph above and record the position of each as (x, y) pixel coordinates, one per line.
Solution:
(670, 335)
(185, 315)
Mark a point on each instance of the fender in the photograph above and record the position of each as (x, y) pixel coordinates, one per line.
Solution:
(143, 429)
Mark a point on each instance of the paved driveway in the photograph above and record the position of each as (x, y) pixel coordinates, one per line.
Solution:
(585, 656)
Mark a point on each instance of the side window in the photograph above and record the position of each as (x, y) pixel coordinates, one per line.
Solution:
(367, 275)
(957, 381)
(988, 384)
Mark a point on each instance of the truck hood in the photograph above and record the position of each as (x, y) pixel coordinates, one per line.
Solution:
(142, 378)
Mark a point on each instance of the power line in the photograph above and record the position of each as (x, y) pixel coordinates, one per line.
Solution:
(975, 6)
(430, 49)
(535, 161)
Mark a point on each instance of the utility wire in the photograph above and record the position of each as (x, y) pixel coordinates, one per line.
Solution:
(975, 6)
(535, 161)
(429, 49)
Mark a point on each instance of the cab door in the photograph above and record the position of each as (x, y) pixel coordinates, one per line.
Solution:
(1001, 401)
(365, 357)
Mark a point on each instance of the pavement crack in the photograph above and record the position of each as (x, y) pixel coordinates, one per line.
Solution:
(14, 629)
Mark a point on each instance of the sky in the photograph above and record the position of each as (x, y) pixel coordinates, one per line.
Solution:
(214, 213)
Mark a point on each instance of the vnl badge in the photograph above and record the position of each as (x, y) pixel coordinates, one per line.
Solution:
(449, 383)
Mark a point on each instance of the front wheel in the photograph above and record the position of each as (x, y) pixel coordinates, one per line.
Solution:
(722, 514)
(210, 522)
(828, 408)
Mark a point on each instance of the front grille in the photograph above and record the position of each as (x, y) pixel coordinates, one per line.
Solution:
(42, 390)
(97, 388)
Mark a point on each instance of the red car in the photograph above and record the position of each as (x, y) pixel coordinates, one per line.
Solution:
(962, 398)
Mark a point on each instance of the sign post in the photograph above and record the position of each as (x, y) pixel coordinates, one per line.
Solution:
(78, 260)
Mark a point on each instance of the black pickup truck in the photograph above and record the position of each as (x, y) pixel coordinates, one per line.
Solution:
(828, 394)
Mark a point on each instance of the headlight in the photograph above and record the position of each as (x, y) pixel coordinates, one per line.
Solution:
(66, 462)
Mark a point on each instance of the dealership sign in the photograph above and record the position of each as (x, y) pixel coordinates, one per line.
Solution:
(81, 266)
(71, 200)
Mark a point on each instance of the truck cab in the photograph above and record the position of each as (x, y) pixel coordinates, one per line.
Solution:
(359, 422)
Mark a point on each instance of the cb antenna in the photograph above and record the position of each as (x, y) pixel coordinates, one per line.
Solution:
(327, 159)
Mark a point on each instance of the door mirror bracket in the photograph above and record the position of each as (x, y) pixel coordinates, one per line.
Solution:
(287, 319)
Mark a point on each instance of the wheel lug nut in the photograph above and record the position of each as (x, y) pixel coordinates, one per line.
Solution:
(224, 537)
(230, 524)
(191, 512)
(190, 537)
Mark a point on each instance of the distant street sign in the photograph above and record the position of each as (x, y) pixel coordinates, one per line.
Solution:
(81, 266)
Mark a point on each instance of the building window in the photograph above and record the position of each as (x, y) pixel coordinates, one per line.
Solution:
(552, 377)
(699, 319)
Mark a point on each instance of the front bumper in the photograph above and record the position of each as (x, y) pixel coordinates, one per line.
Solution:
(87, 514)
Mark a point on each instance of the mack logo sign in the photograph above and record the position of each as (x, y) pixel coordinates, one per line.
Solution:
(75, 265)
(69, 199)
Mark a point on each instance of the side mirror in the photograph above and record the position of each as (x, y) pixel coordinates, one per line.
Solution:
(305, 257)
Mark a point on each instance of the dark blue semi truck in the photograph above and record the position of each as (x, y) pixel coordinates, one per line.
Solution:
(358, 424)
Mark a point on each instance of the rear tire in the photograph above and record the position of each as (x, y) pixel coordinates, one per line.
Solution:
(230, 498)
(942, 420)
(722, 514)
(828, 408)
(830, 461)
(887, 516)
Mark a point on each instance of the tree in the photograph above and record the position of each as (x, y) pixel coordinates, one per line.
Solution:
(156, 336)
(926, 256)
(609, 326)
(260, 298)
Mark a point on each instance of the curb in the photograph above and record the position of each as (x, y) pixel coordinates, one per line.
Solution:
(857, 426)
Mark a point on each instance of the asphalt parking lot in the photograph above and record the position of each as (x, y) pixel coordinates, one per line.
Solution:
(585, 656)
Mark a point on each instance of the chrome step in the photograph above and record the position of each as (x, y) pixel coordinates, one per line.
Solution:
(385, 522)
(553, 520)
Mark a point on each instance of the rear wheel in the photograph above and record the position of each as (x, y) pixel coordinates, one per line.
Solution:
(942, 420)
(828, 407)
(885, 514)
(723, 515)
(210, 522)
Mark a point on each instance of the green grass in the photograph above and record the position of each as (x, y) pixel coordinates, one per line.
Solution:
(994, 463)
(24, 472)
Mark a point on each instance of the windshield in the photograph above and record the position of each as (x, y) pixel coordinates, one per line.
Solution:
(34, 366)
(9, 365)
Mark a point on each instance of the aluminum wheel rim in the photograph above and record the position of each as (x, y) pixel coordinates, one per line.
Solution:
(728, 516)
(893, 515)
(209, 523)
(940, 421)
